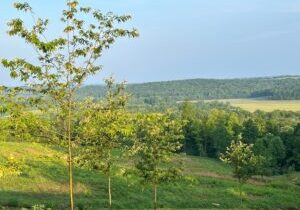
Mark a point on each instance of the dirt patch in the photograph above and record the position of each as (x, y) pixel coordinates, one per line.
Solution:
(60, 188)
(255, 180)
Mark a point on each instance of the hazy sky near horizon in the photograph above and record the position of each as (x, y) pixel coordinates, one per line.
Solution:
(182, 39)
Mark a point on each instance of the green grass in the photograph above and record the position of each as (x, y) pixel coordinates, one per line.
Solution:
(264, 105)
(207, 184)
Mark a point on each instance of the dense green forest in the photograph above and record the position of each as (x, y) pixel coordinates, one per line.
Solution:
(281, 88)
(275, 135)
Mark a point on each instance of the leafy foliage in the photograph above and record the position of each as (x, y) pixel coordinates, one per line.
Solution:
(242, 158)
(158, 136)
(103, 128)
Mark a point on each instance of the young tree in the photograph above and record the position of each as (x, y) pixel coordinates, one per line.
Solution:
(158, 136)
(243, 160)
(64, 62)
(103, 130)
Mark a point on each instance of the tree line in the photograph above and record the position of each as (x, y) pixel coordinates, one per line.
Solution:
(274, 135)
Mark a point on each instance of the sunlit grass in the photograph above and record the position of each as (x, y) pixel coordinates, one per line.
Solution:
(207, 184)
(264, 105)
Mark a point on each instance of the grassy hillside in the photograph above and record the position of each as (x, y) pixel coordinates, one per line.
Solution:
(207, 184)
(280, 88)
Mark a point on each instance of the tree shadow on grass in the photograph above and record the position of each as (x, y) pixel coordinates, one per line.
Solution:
(13, 199)
(47, 183)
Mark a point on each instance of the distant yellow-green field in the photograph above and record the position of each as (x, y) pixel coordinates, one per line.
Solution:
(264, 105)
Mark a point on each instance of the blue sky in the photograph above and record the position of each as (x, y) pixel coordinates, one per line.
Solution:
(185, 38)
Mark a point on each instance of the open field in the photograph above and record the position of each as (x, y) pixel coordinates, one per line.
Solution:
(207, 184)
(264, 105)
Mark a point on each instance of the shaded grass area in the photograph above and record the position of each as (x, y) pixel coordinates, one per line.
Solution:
(207, 184)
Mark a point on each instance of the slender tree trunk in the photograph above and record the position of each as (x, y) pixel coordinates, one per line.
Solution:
(70, 160)
(262, 178)
(154, 196)
(69, 124)
(205, 150)
(240, 191)
(109, 193)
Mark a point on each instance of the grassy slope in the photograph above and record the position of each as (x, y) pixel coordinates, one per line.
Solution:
(208, 184)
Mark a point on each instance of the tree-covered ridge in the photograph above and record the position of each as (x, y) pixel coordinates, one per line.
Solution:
(282, 88)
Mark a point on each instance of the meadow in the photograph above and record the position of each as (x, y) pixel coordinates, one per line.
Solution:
(206, 184)
(262, 104)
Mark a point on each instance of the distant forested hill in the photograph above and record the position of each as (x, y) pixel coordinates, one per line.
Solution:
(280, 88)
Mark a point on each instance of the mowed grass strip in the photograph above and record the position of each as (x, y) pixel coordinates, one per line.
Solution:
(207, 184)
